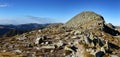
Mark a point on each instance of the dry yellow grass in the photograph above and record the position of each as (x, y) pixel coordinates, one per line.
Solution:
(81, 52)
(8, 54)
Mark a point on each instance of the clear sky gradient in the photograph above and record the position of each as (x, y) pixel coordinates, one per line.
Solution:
(49, 11)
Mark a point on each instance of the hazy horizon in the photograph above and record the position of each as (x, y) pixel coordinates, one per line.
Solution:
(53, 11)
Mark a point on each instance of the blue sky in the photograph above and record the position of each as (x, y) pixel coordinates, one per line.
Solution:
(49, 11)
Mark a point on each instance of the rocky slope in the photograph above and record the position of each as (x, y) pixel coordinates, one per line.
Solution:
(89, 38)
(86, 20)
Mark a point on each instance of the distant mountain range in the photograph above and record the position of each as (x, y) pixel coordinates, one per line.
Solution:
(11, 30)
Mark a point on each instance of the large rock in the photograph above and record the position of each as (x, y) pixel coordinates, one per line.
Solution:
(86, 20)
(110, 26)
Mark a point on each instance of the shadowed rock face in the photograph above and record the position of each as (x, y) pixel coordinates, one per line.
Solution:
(86, 20)
(110, 25)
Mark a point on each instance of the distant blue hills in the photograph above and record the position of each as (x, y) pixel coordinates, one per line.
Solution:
(11, 30)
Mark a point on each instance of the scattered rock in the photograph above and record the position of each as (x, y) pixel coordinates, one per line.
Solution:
(48, 47)
(88, 40)
(99, 54)
(113, 55)
(77, 32)
(113, 46)
(68, 48)
(17, 51)
(95, 41)
(100, 42)
(38, 40)
(60, 43)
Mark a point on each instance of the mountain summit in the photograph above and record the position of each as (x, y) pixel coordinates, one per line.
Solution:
(86, 19)
(90, 20)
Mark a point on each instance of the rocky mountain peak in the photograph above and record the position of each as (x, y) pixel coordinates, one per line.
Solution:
(86, 19)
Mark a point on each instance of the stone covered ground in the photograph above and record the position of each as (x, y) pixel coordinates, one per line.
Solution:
(62, 40)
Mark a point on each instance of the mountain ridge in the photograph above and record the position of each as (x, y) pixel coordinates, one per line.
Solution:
(58, 40)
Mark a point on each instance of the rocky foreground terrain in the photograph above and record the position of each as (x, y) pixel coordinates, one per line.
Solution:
(85, 35)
